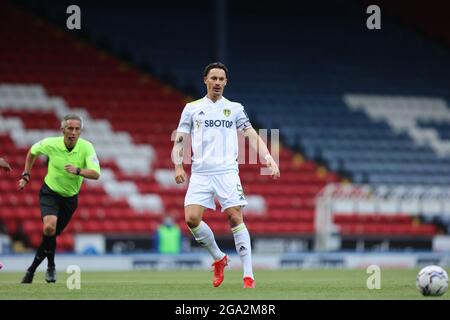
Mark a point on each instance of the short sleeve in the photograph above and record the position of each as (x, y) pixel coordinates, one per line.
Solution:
(91, 159)
(40, 147)
(185, 124)
(242, 120)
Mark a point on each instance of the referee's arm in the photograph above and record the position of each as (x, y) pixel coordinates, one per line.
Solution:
(86, 173)
(29, 162)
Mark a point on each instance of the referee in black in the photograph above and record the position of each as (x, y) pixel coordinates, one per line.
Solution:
(70, 159)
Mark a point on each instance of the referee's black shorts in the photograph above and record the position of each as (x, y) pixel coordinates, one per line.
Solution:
(52, 203)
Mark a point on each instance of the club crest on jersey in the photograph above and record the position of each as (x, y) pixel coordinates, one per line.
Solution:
(198, 123)
(226, 112)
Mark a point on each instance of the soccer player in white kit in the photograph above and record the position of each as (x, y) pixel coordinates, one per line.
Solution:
(213, 122)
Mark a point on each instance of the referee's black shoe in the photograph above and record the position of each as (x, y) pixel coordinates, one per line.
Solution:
(28, 277)
(50, 275)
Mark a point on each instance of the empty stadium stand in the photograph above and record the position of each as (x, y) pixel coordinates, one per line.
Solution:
(129, 116)
(345, 96)
(308, 91)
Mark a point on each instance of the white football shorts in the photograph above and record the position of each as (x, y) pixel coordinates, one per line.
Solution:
(226, 187)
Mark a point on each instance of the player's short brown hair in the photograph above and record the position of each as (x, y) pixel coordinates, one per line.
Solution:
(215, 65)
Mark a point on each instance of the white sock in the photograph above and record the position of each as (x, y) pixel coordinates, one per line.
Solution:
(205, 237)
(243, 248)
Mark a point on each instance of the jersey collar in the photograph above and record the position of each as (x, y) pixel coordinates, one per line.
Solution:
(217, 103)
(63, 147)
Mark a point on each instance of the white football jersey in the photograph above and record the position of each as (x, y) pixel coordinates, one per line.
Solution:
(213, 128)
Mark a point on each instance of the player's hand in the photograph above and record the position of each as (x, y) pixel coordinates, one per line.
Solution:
(272, 165)
(22, 183)
(180, 175)
(70, 169)
(5, 165)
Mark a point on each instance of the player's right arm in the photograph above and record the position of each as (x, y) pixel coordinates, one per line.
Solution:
(183, 131)
(177, 156)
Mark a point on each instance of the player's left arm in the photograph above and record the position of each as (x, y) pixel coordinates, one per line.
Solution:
(258, 144)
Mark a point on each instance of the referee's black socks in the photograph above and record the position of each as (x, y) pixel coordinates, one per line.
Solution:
(50, 247)
(40, 255)
(46, 249)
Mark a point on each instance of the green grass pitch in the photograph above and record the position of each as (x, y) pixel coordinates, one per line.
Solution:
(298, 284)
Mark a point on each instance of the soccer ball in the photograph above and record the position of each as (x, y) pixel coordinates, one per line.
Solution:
(432, 281)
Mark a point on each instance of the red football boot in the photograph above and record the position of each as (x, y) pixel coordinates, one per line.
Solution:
(219, 266)
(249, 282)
